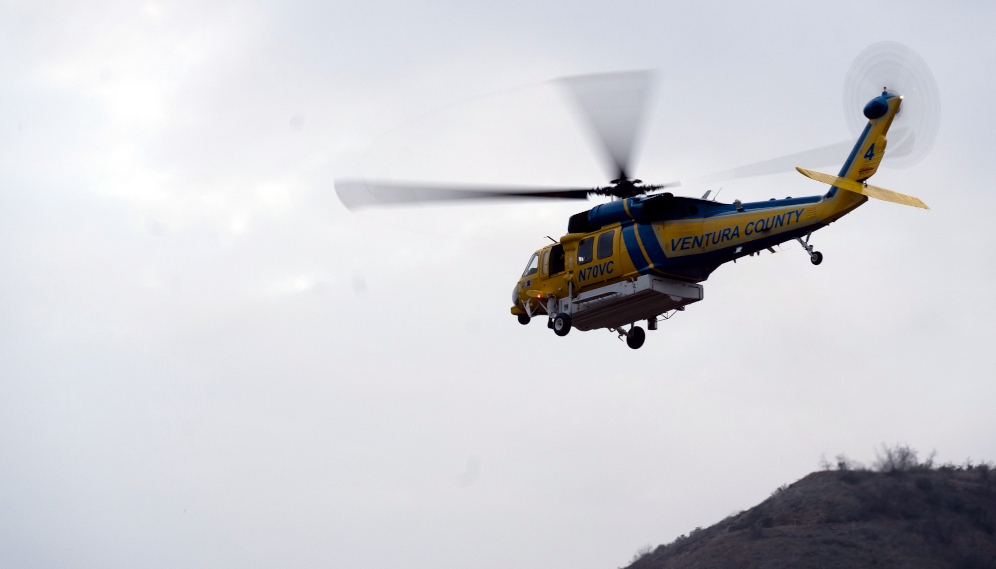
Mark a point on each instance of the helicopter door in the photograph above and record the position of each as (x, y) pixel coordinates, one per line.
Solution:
(597, 258)
(557, 265)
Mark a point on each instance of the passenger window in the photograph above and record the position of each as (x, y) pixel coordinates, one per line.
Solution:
(532, 266)
(546, 263)
(584, 250)
(605, 244)
(556, 259)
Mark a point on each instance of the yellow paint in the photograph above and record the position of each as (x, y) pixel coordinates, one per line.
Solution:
(864, 189)
(696, 236)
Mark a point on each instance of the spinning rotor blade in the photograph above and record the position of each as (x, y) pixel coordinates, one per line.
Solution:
(892, 66)
(355, 194)
(833, 154)
(883, 65)
(613, 104)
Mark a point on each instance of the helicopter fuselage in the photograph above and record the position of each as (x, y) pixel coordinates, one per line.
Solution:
(685, 239)
(687, 248)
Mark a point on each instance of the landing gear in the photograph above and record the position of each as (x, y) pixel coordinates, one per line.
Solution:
(635, 337)
(561, 324)
(815, 257)
(524, 319)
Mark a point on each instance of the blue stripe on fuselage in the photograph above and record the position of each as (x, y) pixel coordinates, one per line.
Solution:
(633, 248)
(652, 245)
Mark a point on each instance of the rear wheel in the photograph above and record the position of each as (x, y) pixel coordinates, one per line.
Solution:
(636, 337)
(562, 324)
(816, 258)
(523, 319)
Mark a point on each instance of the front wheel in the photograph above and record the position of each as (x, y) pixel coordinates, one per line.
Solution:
(523, 319)
(636, 337)
(816, 258)
(562, 324)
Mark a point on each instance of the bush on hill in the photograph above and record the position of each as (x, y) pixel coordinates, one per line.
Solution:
(900, 512)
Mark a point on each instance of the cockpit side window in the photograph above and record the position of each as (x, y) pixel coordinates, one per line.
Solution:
(532, 266)
(584, 250)
(545, 266)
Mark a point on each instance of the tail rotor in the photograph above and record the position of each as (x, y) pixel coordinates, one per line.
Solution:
(885, 65)
(894, 67)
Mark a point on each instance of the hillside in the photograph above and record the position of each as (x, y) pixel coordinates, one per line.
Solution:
(902, 517)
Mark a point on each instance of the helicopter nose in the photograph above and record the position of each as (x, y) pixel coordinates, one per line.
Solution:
(876, 108)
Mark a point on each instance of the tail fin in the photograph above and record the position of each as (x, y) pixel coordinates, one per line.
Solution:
(870, 148)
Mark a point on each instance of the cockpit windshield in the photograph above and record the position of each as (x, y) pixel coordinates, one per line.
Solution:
(532, 266)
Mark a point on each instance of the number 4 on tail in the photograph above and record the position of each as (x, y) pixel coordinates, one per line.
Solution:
(871, 152)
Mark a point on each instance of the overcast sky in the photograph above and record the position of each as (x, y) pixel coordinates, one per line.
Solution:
(206, 361)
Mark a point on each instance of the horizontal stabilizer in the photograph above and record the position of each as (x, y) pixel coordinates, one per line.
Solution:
(863, 189)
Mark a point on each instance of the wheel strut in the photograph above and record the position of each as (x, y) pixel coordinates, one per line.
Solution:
(815, 257)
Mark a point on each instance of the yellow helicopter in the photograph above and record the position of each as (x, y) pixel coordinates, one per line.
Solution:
(642, 256)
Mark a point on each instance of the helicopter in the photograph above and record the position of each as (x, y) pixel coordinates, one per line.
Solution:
(642, 256)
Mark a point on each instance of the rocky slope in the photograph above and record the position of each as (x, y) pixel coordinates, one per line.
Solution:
(922, 517)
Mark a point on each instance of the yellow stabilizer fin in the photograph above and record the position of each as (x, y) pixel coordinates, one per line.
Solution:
(863, 189)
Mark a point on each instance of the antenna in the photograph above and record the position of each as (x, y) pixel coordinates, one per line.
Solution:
(552, 239)
(717, 193)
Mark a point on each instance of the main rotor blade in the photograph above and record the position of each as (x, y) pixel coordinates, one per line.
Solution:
(355, 194)
(613, 104)
(831, 155)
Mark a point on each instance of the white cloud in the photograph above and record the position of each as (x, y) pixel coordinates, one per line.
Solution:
(207, 361)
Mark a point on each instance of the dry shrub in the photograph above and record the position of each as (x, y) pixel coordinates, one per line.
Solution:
(641, 553)
(900, 458)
